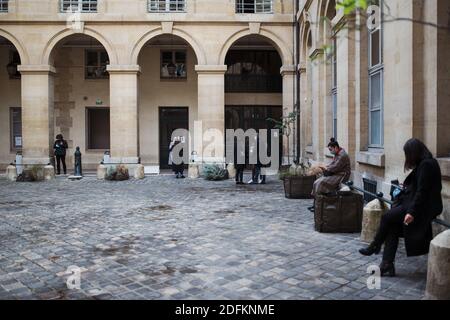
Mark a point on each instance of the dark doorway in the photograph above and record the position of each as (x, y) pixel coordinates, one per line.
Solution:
(98, 128)
(170, 119)
(253, 117)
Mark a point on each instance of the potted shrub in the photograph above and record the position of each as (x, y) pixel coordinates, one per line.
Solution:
(214, 172)
(298, 181)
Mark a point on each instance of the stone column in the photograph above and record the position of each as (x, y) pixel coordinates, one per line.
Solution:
(37, 113)
(438, 278)
(346, 82)
(288, 74)
(211, 113)
(124, 117)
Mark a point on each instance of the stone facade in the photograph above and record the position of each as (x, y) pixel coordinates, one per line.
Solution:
(415, 68)
(53, 94)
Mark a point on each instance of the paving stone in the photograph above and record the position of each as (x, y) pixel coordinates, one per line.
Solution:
(134, 241)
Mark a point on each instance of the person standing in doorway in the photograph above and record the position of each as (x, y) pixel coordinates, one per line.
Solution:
(60, 146)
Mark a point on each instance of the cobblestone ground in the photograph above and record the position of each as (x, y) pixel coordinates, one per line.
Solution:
(163, 238)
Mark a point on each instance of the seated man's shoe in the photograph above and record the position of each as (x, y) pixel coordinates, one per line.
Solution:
(387, 269)
(311, 209)
(370, 250)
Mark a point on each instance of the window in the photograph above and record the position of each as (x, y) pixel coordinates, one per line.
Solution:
(95, 64)
(16, 128)
(166, 6)
(79, 5)
(173, 64)
(254, 6)
(97, 122)
(3, 5)
(376, 123)
(14, 61)
(334, 87)
(253, 71)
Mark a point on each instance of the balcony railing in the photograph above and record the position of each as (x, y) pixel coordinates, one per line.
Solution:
(166, 5)
(254, 6)
(3, 5)
(79, 5)
(255, 83)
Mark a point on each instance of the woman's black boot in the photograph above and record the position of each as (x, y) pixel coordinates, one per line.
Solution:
(370, 250)
(387, 269)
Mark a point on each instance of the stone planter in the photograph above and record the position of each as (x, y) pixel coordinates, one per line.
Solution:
(298, 187)
(372, 214)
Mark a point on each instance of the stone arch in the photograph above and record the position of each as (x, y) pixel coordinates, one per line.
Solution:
(199, 52)
(284, 52)
(17, 44)
(53, 42)
(326, 13)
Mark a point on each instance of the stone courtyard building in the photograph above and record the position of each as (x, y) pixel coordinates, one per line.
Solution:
(121, 75)
(375, 88)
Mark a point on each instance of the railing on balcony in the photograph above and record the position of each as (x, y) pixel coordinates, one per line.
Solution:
(3, 5)
(79, 5)
(254, 6)
(256, 83)
(166, 5)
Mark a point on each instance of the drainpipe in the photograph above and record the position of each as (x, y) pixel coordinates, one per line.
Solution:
(297, 74)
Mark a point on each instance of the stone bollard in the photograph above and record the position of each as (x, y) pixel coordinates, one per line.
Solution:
(372, 214)
(139, 172)
(231, 171)
(49, 172)
(193, 171)
(438, 278)
(11, 173)
(101, 172)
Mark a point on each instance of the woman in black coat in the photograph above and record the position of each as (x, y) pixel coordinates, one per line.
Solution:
(413, 211)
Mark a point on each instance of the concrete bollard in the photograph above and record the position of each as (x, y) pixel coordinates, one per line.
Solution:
(49, 172)
(11, 173)
(193, 171)
(372, 214)
(438, 278)
(231, 171)
(101, 172)
(139, 172)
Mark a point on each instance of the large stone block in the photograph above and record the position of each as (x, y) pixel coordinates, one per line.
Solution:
(193, 171)
(49, 172)
(372, 214)
(139, 172)
(11, 173)
(438, 278)
(231, 171)
(101, 172)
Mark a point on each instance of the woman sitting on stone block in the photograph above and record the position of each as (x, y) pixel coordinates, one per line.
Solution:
(417, 205)
(337, 172)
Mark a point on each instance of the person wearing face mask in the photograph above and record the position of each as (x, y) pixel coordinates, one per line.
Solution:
(337, 172)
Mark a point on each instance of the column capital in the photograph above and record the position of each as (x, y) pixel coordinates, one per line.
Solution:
(210, 69)
(123, 69)
(287, 70)
(36, 69)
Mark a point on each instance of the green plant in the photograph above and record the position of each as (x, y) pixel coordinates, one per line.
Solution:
(117, 173)
(285, 127)
(214, 172)
(296, 170)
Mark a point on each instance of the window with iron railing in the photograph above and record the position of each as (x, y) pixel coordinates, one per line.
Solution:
(254, 6)
(3, 5)
(253, 71)
(96, 61)
(79, 5)
(166, 5)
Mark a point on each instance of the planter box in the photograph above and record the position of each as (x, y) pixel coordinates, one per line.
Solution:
(298, 187)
